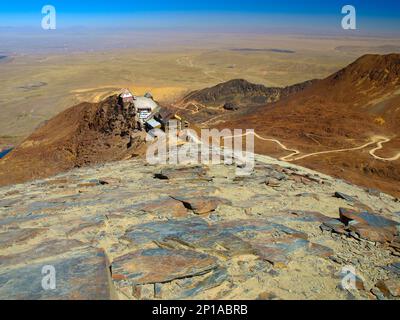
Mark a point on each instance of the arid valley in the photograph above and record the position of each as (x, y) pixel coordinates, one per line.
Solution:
(77, 193)
(38, 84)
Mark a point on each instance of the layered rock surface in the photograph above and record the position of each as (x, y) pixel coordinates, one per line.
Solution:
(128, 230)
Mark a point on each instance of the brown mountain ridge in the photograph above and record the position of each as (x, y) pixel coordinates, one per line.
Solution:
(86, 134)
(345, 125)
(346, 110)
(236, 94)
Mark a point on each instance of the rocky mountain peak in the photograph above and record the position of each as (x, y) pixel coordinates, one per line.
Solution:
(379, 70)
(86, 134)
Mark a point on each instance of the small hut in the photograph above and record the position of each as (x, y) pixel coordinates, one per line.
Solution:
(126, 98)
(145, 108)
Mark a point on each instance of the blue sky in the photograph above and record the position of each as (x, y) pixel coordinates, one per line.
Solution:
(371, 14)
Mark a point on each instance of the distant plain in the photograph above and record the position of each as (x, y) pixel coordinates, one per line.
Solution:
(39, 82)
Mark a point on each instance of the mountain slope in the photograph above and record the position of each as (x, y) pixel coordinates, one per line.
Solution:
(243, 93)
(344, 110)
(85, 134)
(236, 94)
(333, 106)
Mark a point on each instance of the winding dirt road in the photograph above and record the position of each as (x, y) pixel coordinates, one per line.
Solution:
(184, 106)
(378, 140)
(379, 147)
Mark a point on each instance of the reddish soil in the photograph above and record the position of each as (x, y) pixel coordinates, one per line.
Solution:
(83, 135)
(342, 111)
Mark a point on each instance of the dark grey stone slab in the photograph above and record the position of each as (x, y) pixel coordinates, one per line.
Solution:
(80, 275)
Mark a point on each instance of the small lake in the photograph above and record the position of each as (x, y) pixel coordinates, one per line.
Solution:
(5, 152)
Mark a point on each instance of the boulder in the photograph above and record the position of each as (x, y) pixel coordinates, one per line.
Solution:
(273, 183)
(201, 205)
(230, 106)
(165, 206)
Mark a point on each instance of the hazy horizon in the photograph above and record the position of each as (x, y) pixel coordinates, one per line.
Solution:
(309, 16)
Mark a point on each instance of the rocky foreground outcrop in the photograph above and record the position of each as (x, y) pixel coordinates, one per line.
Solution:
(128, 230)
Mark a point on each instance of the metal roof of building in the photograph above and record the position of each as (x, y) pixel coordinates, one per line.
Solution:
(153, 123)
(125, 93)
(145, 103)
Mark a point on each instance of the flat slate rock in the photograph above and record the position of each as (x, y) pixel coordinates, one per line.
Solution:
(201, 205)
(347, 215)
(215, 279)
(161, 265)
(250, 228)
(7, 203)
(278, 251)
(183, 173)
(355, 202)
(394, 268)
(319, 250)
(307, 216)
(341, 195)
(371, 233)
(86, 225)
(16, 220)
(334, 225)
(165, 206)
(369, 226)
(270, 241)
(18, 236)
(45, 249)
(159, 230)
(80, 275)
(214, 241)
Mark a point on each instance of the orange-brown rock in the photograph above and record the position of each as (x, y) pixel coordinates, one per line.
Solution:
(86, 134)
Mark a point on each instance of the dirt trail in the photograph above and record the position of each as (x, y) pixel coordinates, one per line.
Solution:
(197, 105)
(294, 151)
(379, 147)
(188, 62)
(378, 140)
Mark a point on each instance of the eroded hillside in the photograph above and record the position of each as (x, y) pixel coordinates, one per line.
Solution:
(330, 120)
(86, 134)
